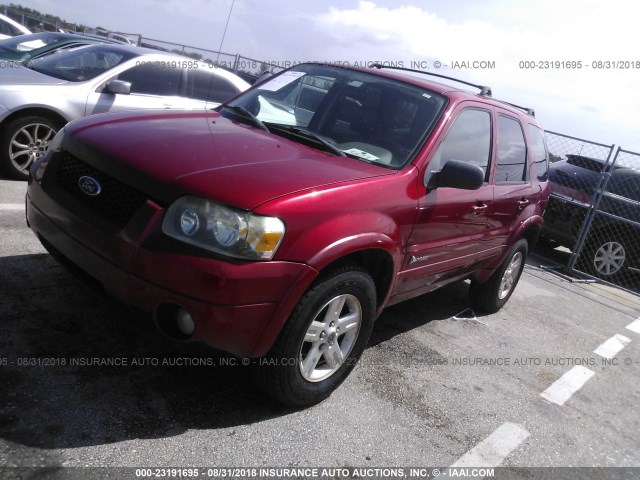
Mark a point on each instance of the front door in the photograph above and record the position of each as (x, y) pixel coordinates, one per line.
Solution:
(153, 86)
(451, 224)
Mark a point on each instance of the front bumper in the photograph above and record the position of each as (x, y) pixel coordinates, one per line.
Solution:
(237, 307)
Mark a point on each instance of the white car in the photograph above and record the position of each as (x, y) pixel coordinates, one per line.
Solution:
(11, 28)
(39, 97)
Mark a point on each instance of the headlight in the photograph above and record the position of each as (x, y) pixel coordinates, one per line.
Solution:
(39, 167)
(222, 229)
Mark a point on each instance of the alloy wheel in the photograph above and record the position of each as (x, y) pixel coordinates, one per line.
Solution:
(510, 276)
(29, 144)
(330, 337)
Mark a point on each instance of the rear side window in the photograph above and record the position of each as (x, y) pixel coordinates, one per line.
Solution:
(538, 152)
(203, 85)
(468, 140)
(153, 79)
(511, 161)
(625, 185)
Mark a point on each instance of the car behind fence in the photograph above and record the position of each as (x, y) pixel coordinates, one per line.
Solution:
(594, 210)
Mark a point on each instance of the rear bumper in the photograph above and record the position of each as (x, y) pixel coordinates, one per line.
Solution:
(237, 307)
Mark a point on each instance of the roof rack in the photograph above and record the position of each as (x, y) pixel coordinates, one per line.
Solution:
(529, 111)
(484, 90)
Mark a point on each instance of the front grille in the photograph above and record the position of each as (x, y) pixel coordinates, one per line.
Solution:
(116, 202)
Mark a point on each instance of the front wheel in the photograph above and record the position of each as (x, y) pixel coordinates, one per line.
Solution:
(323, 339)
(23, 141)
(491, 295)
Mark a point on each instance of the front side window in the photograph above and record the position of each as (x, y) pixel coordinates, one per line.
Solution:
(468, 140)
(350, 113)
(511, 159)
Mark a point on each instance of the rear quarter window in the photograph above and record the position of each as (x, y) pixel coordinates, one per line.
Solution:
(539, 152)
(627, 186)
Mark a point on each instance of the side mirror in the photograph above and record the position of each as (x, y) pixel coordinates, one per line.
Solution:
(457, 174)
(118, 87)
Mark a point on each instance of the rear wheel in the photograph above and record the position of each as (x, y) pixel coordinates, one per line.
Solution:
(491, 295)
(322, 340)
(23, 141)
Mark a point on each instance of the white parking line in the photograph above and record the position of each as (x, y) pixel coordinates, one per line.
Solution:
(492, 451)
(562, 389)
(611, 347)
(634, 326)
(12, 206)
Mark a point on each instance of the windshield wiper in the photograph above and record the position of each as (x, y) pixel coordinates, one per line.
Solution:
(243, 112)
(306, 133)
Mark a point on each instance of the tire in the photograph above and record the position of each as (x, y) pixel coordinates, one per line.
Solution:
(312, 357)
(605, 257)
(23, 141)
(492, 295)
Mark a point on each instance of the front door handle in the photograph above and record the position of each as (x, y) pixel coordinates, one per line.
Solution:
(479, 208)
(522, 204)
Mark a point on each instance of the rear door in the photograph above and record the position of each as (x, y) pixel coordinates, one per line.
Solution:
(203, 84)
(514, 195)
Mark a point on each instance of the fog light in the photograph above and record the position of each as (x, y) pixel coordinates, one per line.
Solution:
(185, 323)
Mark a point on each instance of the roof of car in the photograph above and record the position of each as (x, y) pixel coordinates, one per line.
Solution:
(123, 47)
(425, 79)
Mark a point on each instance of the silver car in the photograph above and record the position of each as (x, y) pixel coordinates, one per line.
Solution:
(39, 97)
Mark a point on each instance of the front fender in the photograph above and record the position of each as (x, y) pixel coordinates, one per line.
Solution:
(330, 248)
(355, 243)
(322, 243)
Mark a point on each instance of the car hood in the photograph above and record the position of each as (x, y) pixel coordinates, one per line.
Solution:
(167, 155)
(17, 75)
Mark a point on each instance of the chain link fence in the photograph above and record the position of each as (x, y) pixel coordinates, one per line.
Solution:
(235, 63)
(575, 175)
(594, 209)
(610, 247)
(246, 67)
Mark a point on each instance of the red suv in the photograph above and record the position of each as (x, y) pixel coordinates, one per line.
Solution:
(283, 223)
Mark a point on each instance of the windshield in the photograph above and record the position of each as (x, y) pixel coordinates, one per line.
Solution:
(81, 64)
(363, 116)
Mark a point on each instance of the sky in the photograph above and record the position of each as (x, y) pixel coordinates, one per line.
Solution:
(597, 104)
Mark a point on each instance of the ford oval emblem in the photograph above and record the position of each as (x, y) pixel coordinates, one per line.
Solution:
(90, 186)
